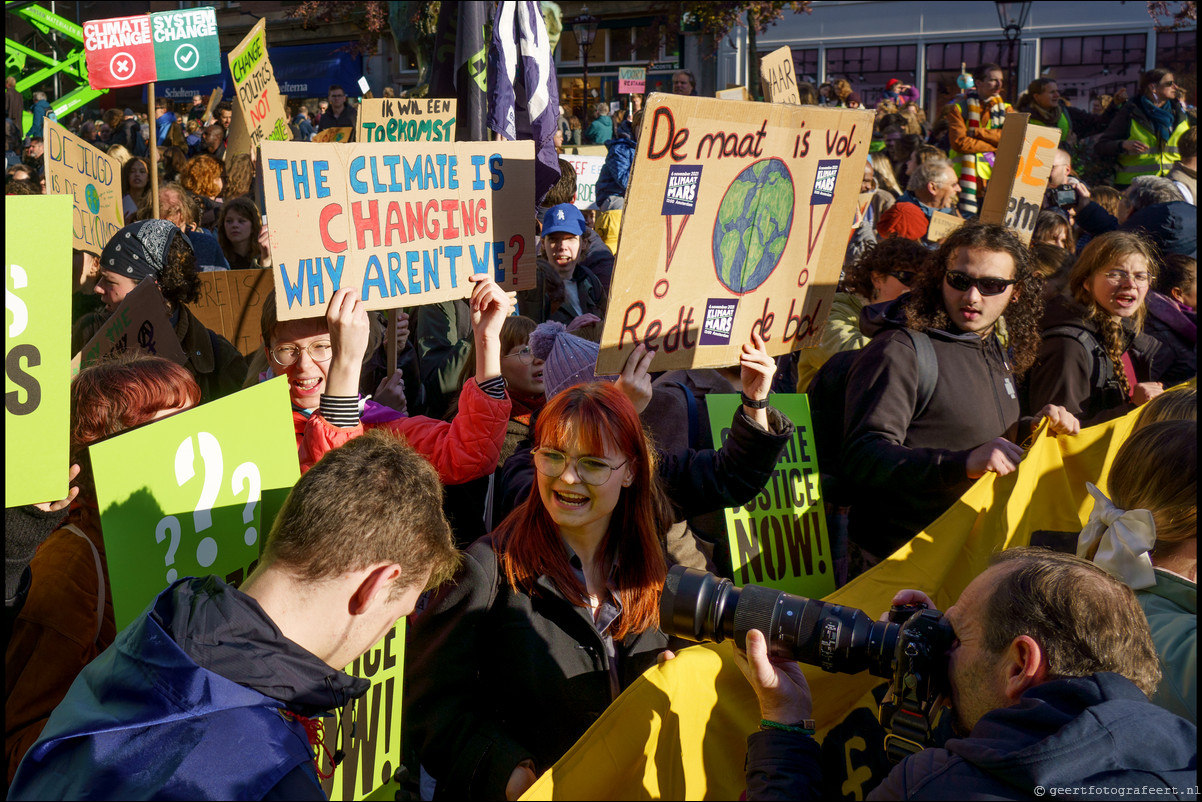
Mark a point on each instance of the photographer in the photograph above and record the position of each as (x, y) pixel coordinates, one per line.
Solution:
(1048, 678)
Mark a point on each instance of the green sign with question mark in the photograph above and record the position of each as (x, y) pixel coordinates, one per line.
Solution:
(193, 494)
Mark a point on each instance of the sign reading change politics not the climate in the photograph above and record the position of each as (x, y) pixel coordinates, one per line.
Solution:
(166, 45)
(263, 111)
(405, 224)
(743, 212)
(91, 178)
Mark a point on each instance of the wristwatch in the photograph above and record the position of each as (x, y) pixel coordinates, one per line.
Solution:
(751, 403)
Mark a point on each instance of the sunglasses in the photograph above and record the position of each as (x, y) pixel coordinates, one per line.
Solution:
(904, 276)
(962, 282)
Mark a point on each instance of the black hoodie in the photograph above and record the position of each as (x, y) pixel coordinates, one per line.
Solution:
(906, 467)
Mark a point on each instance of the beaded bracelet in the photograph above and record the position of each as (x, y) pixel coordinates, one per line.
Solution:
(806, 726)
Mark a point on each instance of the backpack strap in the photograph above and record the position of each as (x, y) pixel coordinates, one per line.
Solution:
(75, 530)
(694, 418)
(1103, 366)
(928, 368)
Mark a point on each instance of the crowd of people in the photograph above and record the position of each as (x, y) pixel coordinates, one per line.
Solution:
(529, 509)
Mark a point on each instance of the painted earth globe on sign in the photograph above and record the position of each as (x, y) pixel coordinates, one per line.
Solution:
(752, 226)
(93, 199)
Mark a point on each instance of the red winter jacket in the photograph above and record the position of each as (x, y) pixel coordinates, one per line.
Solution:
(462, 450)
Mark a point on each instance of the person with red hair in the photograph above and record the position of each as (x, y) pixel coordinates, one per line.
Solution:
(556, 612)
(67, 619)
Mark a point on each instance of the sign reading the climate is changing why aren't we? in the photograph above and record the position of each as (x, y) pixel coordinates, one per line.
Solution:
(166, 45)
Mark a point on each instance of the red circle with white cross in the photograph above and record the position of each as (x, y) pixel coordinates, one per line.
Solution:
(116, 65)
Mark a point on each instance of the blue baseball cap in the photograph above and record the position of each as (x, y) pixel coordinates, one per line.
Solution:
(563, 217)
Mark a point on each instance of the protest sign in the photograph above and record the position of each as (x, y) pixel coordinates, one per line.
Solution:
(231, 304)
(406, 224)
(237, 140)
(263, 111)
(91, 178)
(188, 495)
(334, 135)
(371, 732)
(166, 45)
(1020, 175)
(37, 348)
(139, 322)
(632, 80)
(777, 77)
(767, 193)
(942, 224)
(418, 119)
(733, 93)
(779, 538)
(588, 170)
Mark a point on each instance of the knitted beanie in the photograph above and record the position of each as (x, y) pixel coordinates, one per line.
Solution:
(904, 220)
(568, 359)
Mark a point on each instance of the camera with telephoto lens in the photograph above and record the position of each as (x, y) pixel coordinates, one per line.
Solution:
(910, 648)
(1065, 197)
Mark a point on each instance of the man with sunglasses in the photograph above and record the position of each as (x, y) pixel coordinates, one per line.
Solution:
(908, 457)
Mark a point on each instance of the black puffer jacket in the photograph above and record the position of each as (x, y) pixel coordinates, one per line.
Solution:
(908, 466)
(1080, 377)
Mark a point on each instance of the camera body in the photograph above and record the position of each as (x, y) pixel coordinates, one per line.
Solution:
(1064, 197)
(910, 648)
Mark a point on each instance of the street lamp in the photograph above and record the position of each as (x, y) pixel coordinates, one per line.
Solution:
(1013, 18)
(585, 29)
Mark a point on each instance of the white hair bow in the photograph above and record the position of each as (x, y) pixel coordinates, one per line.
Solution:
(1123, 539)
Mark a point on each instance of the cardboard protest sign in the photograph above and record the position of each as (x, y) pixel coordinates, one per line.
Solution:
(166, 45)
(779, 538)
(632, 80)
(139, 322)
(334, 135)
(1020, 175)
(417, 119)
(37, 348)
(237, 140)
(942, 224)
(777, 77)
(263, 111)
(91, 178)
(185, 496)
(733, 93)
(588, 170)
(371, 734)
(404, 223)
(767, 194)
(231, 304)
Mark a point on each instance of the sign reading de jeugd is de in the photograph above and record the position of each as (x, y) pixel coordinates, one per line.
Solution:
(164, 46)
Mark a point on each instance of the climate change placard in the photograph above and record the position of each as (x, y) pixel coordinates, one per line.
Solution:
(37, 348)
(263, 111)
(91, 178)
(737, 219)
(404, 223)
(415, 119)
(164, 46)
(779, 538)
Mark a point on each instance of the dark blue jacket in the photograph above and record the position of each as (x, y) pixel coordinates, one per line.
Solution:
(1172, 226)
(615, 174)
(186, 705)
(39, 111)
(1098, 731)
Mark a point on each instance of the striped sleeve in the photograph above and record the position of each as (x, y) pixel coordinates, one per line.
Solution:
(493, 388)
(340, 411)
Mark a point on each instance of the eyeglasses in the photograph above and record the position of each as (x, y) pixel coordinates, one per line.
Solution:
(962, 282)
(904, 276)
(525, 356)
(1168, 83)
(286, 355)
(1119, 276)
(590, 470)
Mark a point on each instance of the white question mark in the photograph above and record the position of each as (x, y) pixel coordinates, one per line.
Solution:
(13, 302)
(248, 473)
(202, 515)
(169, 524)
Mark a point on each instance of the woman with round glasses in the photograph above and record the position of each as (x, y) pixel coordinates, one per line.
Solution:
(1094, 359)
(556, 612)
(881, 274)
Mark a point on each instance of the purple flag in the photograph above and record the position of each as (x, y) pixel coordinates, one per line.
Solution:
(523, 89)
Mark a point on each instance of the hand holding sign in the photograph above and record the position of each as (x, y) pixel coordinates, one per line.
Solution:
(635, 380)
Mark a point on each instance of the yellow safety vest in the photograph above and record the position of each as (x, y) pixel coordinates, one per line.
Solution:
(1159, 158)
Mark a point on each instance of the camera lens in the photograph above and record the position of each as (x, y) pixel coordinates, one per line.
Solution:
(699, 606)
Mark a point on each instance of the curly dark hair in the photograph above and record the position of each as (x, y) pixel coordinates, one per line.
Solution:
(179, 279)
(892, 254)
(924, 305)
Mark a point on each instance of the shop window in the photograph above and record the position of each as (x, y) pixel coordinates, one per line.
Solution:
(868, 69)
(1085, 67)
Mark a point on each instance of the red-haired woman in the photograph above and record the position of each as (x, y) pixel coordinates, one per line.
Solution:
(556, 612)
(67, 618)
